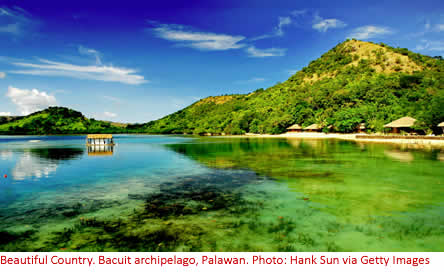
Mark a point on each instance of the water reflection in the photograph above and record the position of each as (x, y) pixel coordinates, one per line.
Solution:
(42, 162)
(57, 154)
(28, 166)
(5, 155)
(402, 156)
(354, 181)
(100, 150)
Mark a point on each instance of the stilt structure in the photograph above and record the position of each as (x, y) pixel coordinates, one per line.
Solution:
(100, 144)
(99, 139)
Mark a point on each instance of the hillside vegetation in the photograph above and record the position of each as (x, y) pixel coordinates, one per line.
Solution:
(6, 119)
(355, 82)
(56, 120)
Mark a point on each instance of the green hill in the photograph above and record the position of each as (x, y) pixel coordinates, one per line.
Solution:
(6, 119)
(57, 120)
(355, 82)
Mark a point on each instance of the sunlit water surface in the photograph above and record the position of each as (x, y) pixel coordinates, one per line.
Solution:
(159, 193)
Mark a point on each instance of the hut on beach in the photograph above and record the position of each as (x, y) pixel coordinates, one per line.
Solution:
(294, 128)
(361, 128)
(441, 125)
(313, 128)
(402, 124)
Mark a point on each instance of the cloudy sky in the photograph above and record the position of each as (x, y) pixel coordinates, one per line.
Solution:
(136, 62)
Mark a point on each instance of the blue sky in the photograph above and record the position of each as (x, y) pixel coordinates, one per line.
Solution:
(138, 61)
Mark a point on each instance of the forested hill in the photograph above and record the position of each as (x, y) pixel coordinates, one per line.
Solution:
(57, 120)
(355, 82)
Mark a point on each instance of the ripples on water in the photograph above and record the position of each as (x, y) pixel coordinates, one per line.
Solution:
(153, 193)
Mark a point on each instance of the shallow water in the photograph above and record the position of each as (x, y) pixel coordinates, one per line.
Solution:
(159, 193)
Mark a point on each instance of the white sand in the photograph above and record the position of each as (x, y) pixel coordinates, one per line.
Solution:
(351, 137)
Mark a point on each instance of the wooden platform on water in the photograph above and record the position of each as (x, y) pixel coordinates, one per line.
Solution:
(99, 139)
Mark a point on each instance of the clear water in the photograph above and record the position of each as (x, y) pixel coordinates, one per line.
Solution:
(159, 193)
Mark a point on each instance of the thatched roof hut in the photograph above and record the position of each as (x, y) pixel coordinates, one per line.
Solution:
(441, 125)
(405, 123)
(294, 127)
(313, 127)
(99, 136)
(361, 128)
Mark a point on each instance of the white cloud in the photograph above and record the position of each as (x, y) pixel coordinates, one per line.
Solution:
(91, 52)
(369, 31)
(427, 45)
(93, 72)
(197, 40)
(428, 29)
(29, 101)
(2, 74)
(325, 24)
(2, 113)
(110, 114)
(263, 53)
(283, 21)
(278, 30)
(322, 25)
(15, 21)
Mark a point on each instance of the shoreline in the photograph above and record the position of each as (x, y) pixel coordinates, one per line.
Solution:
(410, 142)
(418, 143)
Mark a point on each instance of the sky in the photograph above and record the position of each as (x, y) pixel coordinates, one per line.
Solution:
(136, 61)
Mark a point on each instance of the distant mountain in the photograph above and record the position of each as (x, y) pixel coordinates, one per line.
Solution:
(355, 82)
(57, 120)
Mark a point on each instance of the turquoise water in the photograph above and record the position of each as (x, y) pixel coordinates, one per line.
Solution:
(167, 193)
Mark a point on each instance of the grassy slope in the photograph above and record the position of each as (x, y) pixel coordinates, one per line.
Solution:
(352, 83)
